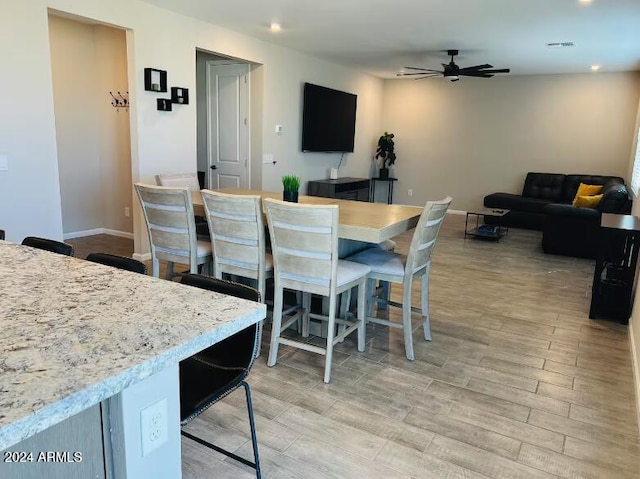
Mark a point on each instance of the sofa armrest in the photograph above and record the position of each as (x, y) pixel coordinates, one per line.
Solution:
(560, 210)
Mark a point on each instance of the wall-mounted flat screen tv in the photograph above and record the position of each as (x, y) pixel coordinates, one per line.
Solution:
(328, 119)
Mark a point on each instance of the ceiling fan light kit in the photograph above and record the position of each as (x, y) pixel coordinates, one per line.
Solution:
(453, 72)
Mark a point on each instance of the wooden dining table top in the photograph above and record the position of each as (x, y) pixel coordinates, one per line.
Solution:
(358, 220)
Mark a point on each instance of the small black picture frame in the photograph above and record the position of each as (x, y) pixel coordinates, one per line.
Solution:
(164, 104)
(179, 95)
(155, 80)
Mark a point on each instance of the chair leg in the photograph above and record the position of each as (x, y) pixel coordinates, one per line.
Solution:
(424, 300)
(306, 308)
(385, 293)
(371, 300)
(362, 326)
(406, 320)
(252, 424)
(331, 332)
(276, 325)
(155, 267)
(345, 301)
(169, 270)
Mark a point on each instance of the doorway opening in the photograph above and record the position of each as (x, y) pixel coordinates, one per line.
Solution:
(229, 121)
(91, 102)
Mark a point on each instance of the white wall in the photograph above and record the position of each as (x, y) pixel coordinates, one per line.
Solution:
(29, 193)
(478, 136)
(160, 140)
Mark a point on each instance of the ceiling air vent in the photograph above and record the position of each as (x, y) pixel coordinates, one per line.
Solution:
(559, 44)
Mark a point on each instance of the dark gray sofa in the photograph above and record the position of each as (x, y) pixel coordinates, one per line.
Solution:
(545, 204)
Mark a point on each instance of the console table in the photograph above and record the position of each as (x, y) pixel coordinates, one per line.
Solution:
(616, 268)
(340, 188)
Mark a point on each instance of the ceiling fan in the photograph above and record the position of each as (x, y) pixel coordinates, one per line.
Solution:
(453, 72)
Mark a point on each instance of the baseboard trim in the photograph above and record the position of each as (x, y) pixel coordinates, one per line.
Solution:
(635, 360)
(142, 257)
(97, 231)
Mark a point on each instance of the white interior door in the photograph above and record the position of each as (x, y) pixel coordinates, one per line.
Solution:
(228, 125)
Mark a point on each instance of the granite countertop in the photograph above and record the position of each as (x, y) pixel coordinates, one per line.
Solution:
(73, 333)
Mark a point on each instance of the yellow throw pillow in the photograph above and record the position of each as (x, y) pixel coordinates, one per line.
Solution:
(587, 201)
(587, 190)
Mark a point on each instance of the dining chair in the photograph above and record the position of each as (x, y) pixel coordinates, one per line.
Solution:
(238, 238)
(168, 213)
(48, 245)
(120, 262)
(191, 181)
(397, 268)
(215, 372)
(304, 243)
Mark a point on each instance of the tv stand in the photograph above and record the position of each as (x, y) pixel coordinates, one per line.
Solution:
(341, 188)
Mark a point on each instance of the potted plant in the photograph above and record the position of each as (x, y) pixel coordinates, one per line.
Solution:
(291, 185)
(386, 153)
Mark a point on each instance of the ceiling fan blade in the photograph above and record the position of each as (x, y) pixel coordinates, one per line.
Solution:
(500, 70)
(477, 74)
(417, 73)
(477, 67)
(432, 75)
(421, 69)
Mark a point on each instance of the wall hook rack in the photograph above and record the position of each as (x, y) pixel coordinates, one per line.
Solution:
(120, 100)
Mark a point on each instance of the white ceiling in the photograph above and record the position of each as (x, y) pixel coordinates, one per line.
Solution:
(382, 36)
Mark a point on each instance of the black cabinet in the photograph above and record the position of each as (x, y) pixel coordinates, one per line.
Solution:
(342, 188)
(614, 277)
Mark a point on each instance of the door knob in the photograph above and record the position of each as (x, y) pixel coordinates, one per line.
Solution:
(213, 167)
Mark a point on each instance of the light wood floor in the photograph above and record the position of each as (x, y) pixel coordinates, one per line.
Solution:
(518, 382)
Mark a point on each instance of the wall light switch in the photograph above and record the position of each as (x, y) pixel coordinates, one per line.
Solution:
(279, 129)
(4, 163)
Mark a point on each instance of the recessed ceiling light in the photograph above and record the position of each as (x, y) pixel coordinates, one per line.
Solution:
(275, 28)
(585, 1)
(595, 68)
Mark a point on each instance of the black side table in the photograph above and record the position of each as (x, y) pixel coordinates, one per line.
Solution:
(615, 273)
(372, 193)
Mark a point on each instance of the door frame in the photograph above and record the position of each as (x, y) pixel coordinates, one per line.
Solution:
(247, 116)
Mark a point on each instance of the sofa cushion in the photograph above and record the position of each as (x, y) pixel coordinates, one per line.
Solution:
(510, 201)
(572, 182)
(587, 201)
(545, 186)
(615, 198)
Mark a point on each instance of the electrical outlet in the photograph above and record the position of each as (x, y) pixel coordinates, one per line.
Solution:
(127, 212)
(410, 192)
(153, 426)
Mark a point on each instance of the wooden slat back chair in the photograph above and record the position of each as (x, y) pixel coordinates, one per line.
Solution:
(238, 237)
(215, 372)
(304, 244)
(188, 180)
(50, 245)
(168, 213)
(396, 268)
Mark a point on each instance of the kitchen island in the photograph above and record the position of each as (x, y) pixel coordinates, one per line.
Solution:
(76, 335)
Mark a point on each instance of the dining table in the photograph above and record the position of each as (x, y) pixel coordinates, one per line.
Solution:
(358, 221)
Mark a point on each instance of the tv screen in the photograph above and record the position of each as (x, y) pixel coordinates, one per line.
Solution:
(328, 119)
